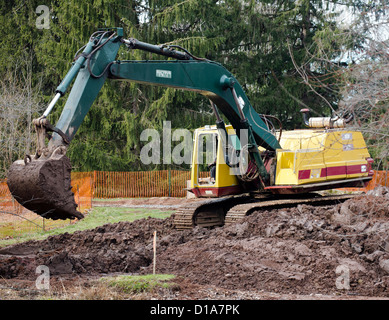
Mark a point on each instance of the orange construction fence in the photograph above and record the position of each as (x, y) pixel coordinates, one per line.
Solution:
(7, 202)
(380, 178)
(171, 183)
(141, 184)
(82, 187)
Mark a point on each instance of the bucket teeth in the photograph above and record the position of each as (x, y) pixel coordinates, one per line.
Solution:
(44, 187)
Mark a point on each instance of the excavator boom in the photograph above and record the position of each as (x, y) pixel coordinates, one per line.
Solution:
(41, 182)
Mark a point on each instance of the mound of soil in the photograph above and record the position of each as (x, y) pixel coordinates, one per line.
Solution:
(303, 250)
(121, 247)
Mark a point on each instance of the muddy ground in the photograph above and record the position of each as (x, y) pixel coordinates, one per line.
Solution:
(306, 252)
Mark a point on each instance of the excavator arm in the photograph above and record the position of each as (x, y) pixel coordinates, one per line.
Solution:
(206, 77)
(41, 182)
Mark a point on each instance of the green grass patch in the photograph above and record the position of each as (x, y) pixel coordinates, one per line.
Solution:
(9, 229)
(138, 284)
(22, 226)
(96, 217)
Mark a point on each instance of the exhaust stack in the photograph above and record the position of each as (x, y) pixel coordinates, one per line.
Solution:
(324, 122)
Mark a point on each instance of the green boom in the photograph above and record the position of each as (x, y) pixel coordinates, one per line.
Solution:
(97, 63)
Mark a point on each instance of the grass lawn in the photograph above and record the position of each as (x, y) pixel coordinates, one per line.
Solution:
(96, 217)
(139, 283)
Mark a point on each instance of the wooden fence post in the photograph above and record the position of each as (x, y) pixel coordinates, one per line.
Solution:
(170, 182)
(154, 251)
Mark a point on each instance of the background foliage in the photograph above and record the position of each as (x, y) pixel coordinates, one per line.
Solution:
(274, 48)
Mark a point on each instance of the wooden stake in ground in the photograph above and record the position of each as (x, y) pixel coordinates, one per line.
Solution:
(154, 250)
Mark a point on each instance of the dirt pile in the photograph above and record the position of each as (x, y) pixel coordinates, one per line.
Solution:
(301, 250)
(120, 247)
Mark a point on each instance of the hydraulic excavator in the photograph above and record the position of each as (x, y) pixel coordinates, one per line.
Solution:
(257, 165)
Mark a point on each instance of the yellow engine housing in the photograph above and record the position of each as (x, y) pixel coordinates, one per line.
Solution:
(313, 156)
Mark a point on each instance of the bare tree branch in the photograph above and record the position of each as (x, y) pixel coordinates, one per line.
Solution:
(19, 103)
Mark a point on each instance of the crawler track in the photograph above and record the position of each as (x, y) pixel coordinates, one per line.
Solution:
(208, 213)
(224, 211)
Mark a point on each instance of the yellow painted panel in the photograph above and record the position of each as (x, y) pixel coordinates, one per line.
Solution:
(338, 153)
(285, 174)
(224, 174)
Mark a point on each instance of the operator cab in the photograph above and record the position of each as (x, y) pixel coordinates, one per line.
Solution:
(210, 175)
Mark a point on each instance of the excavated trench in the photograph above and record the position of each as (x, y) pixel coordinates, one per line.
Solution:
(341, 249)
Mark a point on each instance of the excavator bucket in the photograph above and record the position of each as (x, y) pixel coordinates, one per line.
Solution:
(43, 186)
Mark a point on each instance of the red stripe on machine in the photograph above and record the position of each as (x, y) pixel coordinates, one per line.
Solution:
(304, 174)
(355, 169)
(336, 171)
(332, 171)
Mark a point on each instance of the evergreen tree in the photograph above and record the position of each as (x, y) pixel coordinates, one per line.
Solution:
(266, 44)
(261, 42)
